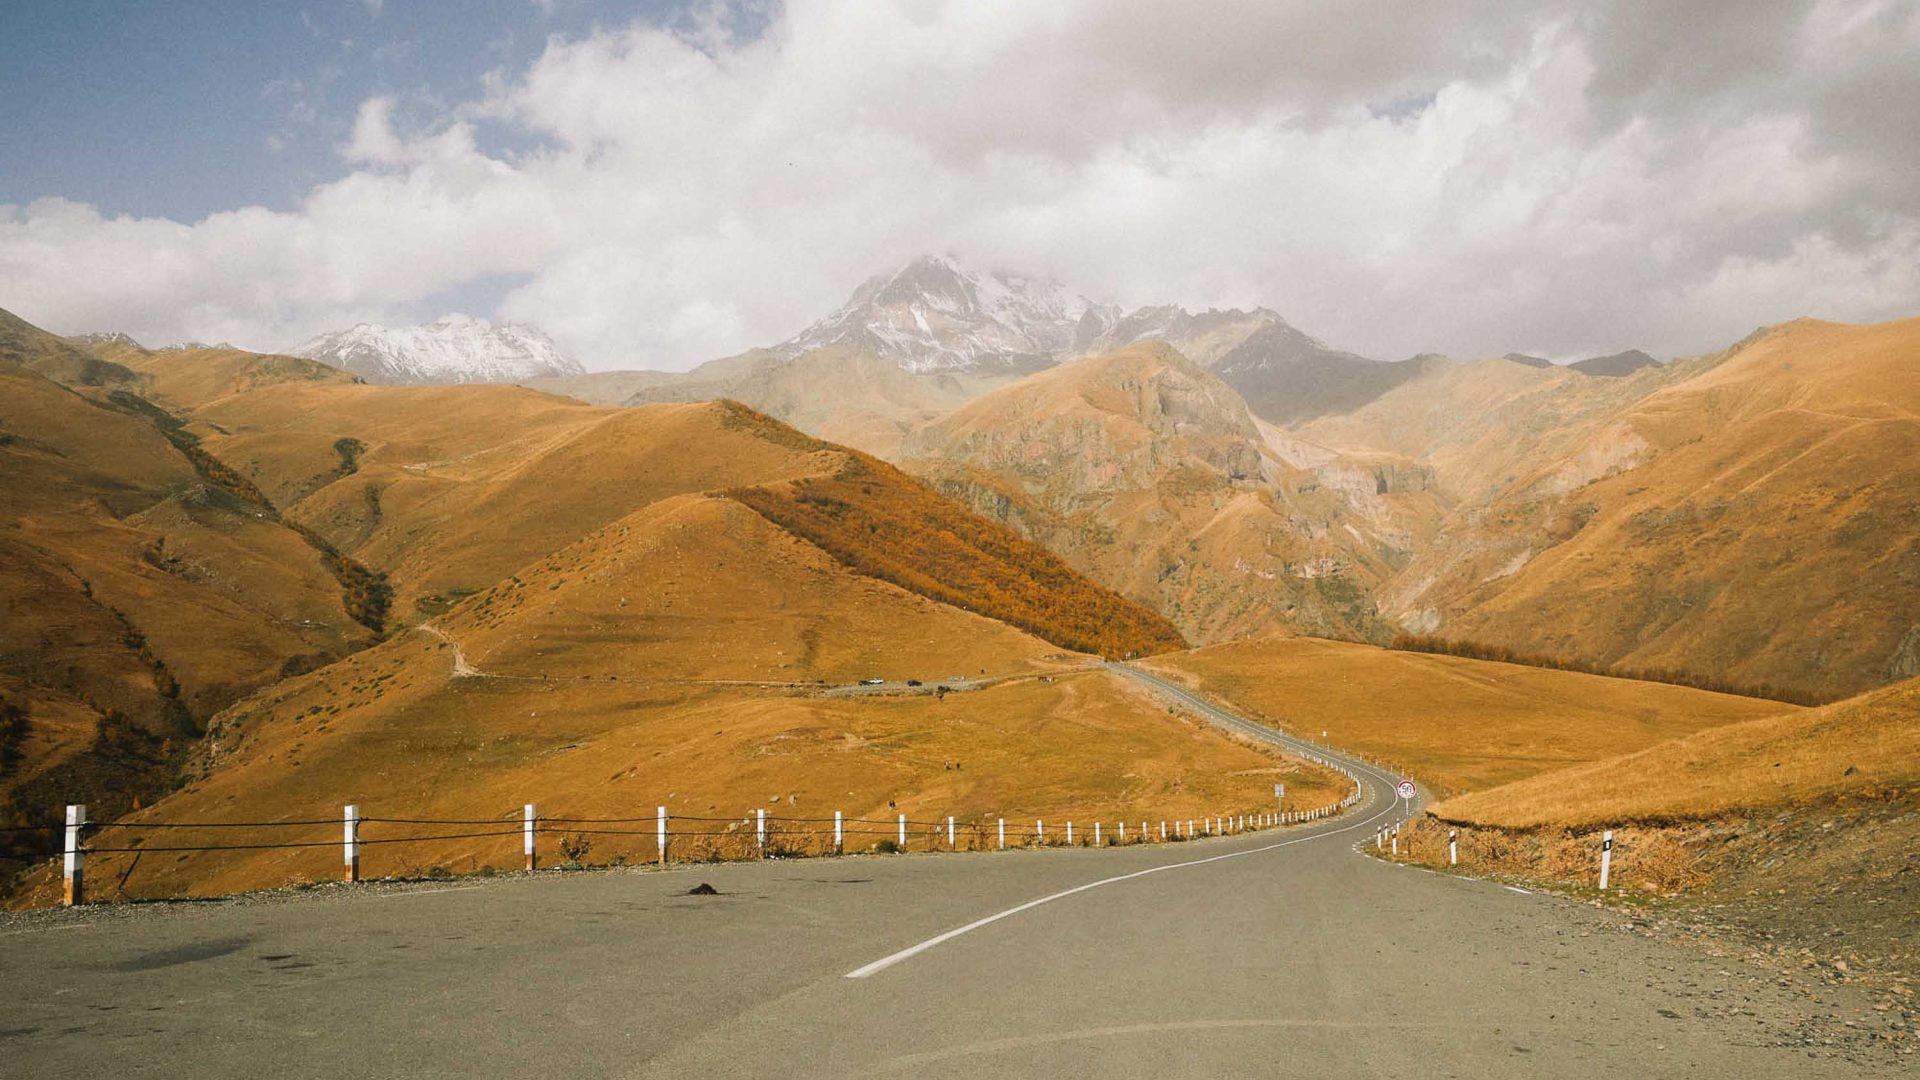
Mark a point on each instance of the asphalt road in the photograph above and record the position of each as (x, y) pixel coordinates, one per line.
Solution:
(1275, 954)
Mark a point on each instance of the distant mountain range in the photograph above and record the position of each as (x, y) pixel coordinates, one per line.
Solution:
(456, 349)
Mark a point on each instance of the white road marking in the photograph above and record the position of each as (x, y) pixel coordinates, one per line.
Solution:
(1518, 889)
(914, 950)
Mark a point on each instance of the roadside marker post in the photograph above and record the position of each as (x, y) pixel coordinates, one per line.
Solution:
(1003, 834)
(1069, 834)
(903, 832)
(75, 891)
(528, 834)
(949, 832)
(1396, 839)
(760, 830)
(1096, 834)
(1040, 832)
(1606, 858)
(351, 838)
(661, 833)
(1163, 832)
(839, 838)
(1453, 847)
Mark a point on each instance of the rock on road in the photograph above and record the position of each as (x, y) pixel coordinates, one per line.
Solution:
(1293, 955)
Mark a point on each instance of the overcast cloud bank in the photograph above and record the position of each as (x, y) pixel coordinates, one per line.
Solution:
(1470, 178)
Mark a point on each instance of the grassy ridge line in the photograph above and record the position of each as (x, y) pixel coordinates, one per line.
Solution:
(878, 521)
(1480, 650)
(1867, 746)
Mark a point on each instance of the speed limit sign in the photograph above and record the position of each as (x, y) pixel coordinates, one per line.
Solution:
(1405, 789)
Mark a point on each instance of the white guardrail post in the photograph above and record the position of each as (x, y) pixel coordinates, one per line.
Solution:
(527, 832)
(351, 839)
(75, 892)
(1606, 858)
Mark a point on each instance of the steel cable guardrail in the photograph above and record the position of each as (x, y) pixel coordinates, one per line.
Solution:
(744, 837)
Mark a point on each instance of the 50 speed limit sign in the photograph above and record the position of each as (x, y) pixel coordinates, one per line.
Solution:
(1405, 789)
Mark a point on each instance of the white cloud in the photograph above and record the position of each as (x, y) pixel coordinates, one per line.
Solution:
(696, 194)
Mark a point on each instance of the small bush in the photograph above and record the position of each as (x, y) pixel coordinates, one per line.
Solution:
(575, 849)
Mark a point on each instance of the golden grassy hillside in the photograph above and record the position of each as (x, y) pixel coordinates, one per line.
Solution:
(668, 659)
(672, 581)
(139, 597)
(1864, 744)
(1768, 531)
(1459, 725)
(448, 489)
(1149, 474)
(25, 346)
(882, 523)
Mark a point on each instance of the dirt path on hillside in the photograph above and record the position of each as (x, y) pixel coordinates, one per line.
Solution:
(461, 669)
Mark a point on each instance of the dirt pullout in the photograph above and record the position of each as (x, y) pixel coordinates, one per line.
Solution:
(1825, 894)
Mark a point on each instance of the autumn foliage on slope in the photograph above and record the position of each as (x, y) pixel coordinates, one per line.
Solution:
(878, 521)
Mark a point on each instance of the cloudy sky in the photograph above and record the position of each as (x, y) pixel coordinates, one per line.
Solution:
(657, 184)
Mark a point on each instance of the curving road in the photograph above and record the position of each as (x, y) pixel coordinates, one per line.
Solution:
(1272, 954)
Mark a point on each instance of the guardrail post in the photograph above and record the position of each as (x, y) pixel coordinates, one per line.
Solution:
(1003, 834)
(75, 892)
(949, 832)
(1453, 847)
(660, 833)
(1606, 858)
(531, 861)
(351, 838)
(839, 838)
(760, 830)
(903, 832)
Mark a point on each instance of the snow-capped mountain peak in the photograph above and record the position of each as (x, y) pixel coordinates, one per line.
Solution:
(455, 349)
(935, 314)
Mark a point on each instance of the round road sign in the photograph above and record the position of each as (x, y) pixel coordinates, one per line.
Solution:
(1406, 789)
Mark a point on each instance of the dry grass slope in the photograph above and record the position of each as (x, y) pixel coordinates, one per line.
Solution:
(1861, 745)
(882, 523)
(1457, 724)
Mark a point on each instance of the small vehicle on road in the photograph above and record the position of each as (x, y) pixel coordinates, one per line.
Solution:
(873, 682)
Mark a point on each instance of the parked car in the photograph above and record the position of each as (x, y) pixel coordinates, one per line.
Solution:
(873, 682)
